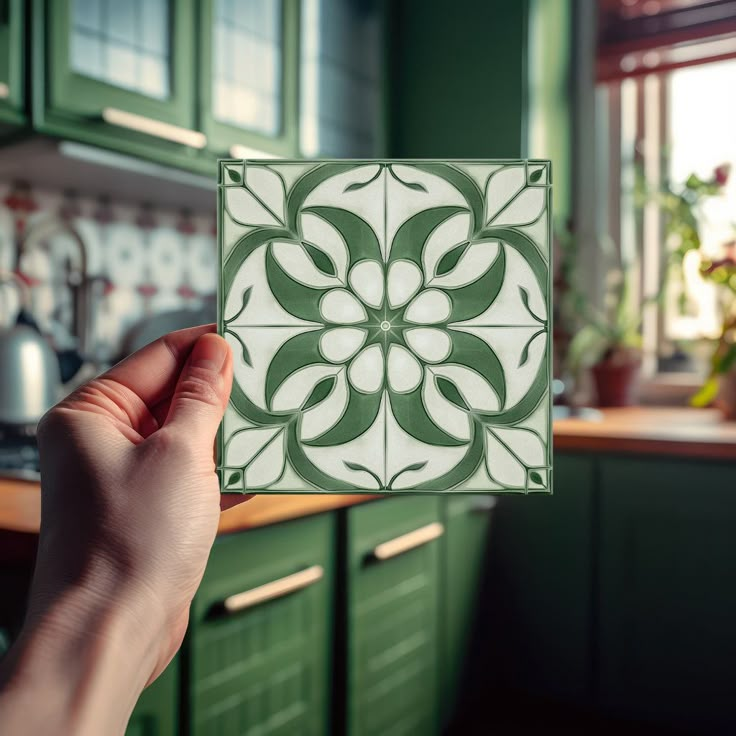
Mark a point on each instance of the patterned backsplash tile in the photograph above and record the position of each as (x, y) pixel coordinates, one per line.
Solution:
(390, 326)
(139, 262)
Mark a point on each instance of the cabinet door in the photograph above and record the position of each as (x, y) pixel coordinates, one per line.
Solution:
(260, 633)
(467, 522)
(667, 601)
(249, 75)
(392, 617)
(118, 72)
(156, 712)
(12, 30)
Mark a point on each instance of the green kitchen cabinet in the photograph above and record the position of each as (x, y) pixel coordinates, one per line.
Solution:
(119, 75)
(392, 604)
(249, 75)
(12, 81)
(539, 591)
(259, 646)
(667, 604)
(156, 712)
(467, 525)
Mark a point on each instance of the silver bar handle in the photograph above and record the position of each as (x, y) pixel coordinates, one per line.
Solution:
(4, 91)
(407, 542)
(273, 590)
(157, 128)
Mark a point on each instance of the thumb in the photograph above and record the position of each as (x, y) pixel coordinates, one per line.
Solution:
(202, 390)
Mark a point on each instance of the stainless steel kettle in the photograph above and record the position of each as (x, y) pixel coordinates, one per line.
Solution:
(29, 369)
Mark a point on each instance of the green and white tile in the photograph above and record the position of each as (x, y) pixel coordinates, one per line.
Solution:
(390, 326)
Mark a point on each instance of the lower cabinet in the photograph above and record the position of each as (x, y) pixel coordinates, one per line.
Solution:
(667, 600)
(467, 522)
(259, 650)
(156, 713)
(392, 620)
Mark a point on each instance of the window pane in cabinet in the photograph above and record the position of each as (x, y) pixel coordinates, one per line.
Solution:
(125, 44)
(340, 78)
(247, 39)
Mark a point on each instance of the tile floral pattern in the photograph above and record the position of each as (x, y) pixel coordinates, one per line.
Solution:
(389, 321)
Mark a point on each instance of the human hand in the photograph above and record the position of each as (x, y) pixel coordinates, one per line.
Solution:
(130, 507)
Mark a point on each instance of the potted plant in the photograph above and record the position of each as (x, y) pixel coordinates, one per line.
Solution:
(609, 344)
(720, 386)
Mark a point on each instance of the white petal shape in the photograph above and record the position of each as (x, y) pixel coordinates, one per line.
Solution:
(320, 233)
(266, 468)
(245, 443)
(509, 452)
(443, 412)
(404, 372)
(295, 390)
(245, 209)
(342, 307)
(404, 280)
(294, 260)
(524, 209)
(341, 343)
(473, 387)
(321, 417)
(453, 231)
(366, 371)
(428, 343)
(503, 186)
(268, 187)
(429, 307)
(476, 260)
(366, 278)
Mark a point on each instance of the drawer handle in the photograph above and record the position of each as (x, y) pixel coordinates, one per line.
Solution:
(406, 542)
(142, 124)
(275, 589)
(4, 91)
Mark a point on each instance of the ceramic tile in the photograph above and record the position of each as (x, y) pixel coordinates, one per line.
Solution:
(389, 321)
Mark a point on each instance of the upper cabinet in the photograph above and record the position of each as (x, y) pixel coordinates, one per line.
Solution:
(11, 61)
(185, 82)
(120, 73)
(248, 75)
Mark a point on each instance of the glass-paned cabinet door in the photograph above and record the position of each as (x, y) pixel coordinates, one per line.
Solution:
(249, 69)
(12, 13)
(131, 56)
(341, 69)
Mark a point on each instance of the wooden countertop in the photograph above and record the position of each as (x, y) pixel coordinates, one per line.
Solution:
(681, 432)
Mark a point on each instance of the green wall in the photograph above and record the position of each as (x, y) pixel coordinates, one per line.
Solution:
(457, 79)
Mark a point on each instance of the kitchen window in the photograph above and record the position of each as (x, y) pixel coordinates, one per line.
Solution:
(665, 111)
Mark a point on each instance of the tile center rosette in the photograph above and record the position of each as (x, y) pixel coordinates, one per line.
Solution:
(390, 326)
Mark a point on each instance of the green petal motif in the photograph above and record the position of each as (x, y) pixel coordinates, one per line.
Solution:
(390, 326)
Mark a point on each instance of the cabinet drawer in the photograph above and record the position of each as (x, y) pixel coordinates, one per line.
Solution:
(156, 712)
(392, 616)
(260, 636)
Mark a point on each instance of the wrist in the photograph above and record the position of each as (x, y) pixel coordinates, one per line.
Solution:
(81, 661)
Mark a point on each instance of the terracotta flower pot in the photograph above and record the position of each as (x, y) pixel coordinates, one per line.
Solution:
(615, 382)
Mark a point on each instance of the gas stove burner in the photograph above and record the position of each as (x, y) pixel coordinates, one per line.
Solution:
(19, 458)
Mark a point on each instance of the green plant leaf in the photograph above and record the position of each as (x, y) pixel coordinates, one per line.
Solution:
(357, 185)
(450, 259)
(535, 477)
(243, 349)
(320, 259)
(525, 301)
(535, 176)
(707, 393)
(449, 390)
(524, 357)
(320, 392)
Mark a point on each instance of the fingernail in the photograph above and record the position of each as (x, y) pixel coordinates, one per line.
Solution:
(209, 352)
